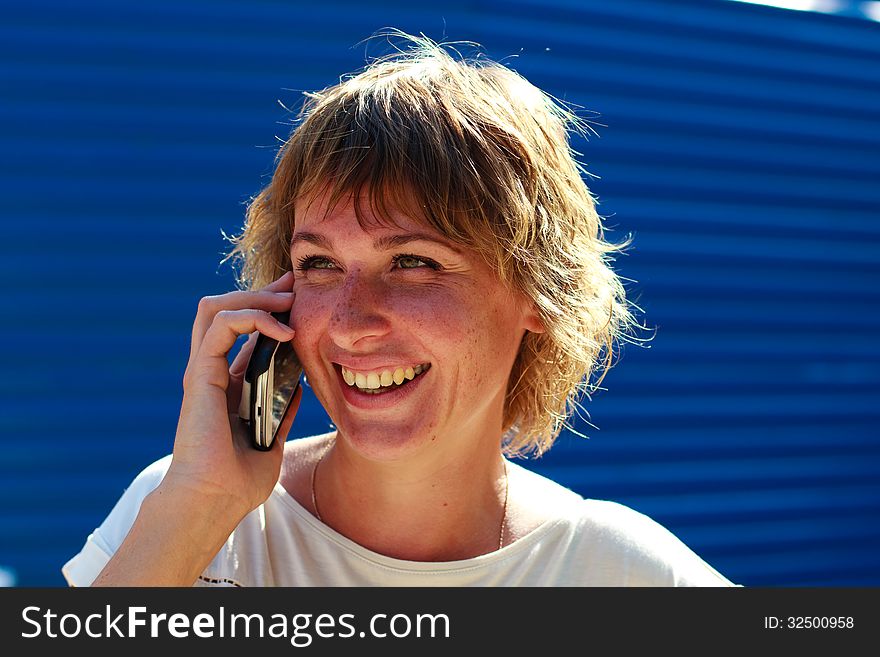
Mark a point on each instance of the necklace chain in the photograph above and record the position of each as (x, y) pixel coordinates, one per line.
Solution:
(314, 470)
(504, 509)
(503, 512)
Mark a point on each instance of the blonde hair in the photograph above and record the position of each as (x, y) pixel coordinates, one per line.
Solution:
(483, 156)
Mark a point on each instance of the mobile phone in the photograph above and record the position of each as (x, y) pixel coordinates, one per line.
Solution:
(269, 383)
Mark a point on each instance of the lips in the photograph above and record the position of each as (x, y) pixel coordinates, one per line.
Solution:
(385, 400)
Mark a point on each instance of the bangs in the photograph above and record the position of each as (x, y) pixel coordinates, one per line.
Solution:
(393, 147)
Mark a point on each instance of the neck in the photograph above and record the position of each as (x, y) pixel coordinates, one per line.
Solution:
(418, 510)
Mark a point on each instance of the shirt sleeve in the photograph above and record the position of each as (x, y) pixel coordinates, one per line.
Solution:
(102, 543)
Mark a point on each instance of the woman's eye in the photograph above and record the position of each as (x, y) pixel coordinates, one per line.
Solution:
(408, 262)
(313, 262)
(413, 262)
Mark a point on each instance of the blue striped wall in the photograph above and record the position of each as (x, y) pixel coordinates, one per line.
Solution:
(739, 144)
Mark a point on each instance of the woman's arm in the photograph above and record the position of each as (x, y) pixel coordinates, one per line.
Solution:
(173, 539)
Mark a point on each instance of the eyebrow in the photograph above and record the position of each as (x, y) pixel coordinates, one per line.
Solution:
(385, 243)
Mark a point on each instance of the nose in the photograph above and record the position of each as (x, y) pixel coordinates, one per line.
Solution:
(362, 312)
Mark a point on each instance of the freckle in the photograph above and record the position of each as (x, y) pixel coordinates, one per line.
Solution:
(446, 504)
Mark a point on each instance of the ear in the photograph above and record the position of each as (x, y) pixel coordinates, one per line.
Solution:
(532, 321)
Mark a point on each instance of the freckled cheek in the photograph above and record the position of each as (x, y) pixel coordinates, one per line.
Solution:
(467, 336)
(309, 317)
(492, 345)
(438, 320)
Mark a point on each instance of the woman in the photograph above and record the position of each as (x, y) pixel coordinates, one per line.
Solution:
(450, 296)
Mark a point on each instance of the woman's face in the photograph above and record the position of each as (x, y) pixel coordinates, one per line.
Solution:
(370, 305)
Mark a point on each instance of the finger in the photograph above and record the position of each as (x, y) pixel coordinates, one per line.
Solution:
(289, 416)
(282, 284)
(240, 363)
(209, 307)
(237, 371)
(210, 364)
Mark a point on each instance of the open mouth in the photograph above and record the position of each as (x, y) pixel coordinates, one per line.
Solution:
(376, 385)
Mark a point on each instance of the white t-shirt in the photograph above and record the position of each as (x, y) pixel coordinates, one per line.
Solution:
(589, 543)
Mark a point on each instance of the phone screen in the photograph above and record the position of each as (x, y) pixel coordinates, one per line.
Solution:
(286, 373)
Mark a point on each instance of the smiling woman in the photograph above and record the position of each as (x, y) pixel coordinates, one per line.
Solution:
(450, 297)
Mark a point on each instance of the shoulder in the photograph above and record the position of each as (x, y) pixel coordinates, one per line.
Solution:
(620, 525)
(103, 542)
(641, 550)
(534, 500)
(144, 483)
(151, 476)
(129, 503)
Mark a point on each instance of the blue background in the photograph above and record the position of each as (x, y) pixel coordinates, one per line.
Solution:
(739, 144)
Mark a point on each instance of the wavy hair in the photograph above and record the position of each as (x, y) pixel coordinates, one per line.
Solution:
(484, 157)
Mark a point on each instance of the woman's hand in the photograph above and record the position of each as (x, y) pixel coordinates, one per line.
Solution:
(213, 458)
(215, 477)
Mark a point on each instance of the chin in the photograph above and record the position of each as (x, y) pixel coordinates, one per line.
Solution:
(384, 441)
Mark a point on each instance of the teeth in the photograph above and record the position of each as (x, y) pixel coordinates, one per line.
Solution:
(376, 380)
